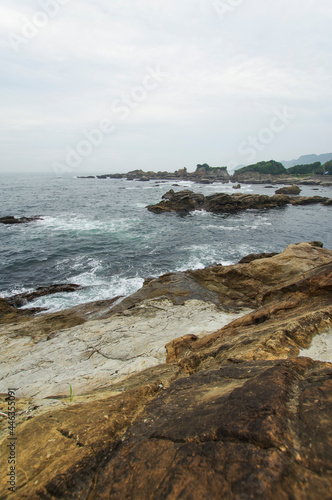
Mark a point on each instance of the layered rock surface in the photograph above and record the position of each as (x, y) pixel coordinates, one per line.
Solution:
(224, 408)
(188, 201)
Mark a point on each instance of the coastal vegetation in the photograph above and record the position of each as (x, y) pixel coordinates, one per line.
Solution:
(264, 167)
(207, 168)
(313, 168)
(273, 167)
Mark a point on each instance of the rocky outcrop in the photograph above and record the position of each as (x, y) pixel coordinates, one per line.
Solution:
(204, 174)
(294, 189)
(9, 219)
(210, 398)
(188, 201)
(252, 177)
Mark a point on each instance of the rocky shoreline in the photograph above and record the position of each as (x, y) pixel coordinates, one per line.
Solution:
(190, 388)
(209, 175)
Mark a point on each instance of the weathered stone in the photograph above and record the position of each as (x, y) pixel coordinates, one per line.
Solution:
(258, 429)
(294, 189)
(230, 412)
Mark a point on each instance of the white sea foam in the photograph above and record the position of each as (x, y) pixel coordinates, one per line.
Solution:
(79, 224)
(96, 289)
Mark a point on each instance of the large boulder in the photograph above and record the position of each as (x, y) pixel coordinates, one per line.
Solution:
(289, 190)
(180, 202)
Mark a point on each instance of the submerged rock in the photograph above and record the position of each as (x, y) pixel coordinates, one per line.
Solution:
(20, 299)
(10, 219)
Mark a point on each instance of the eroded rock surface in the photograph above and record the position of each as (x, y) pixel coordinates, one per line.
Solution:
(210, 400)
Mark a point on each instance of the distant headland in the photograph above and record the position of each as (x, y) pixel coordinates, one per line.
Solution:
(259, 173)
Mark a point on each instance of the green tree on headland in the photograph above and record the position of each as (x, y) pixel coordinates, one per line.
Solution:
(312, 168)
(327, 167)
(207, 167)
(264, 167)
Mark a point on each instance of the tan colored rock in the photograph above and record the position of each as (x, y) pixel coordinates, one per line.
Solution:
(97, 353)
(248, 430)
(234, 413)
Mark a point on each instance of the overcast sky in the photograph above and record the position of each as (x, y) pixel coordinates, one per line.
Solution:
(100, 86)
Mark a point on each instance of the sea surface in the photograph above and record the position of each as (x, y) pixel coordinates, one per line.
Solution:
(98, 233)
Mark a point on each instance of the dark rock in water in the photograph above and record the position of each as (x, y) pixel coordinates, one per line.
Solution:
(221, 203)
(255, 256)
(269, 187)
(21, 220)
(204, 181)
(289, 190)
(181, 202)
(22, 298)
(169, 194)
(188, 201)
(237, 186)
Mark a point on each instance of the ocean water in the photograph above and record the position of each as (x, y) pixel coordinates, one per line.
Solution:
(98, 233)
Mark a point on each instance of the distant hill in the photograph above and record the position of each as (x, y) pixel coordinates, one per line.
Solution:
(273, 167)
(307, 159)
(264, 167)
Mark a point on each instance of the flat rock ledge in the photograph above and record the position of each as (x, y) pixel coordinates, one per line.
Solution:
(188, 201)
(191, 388)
